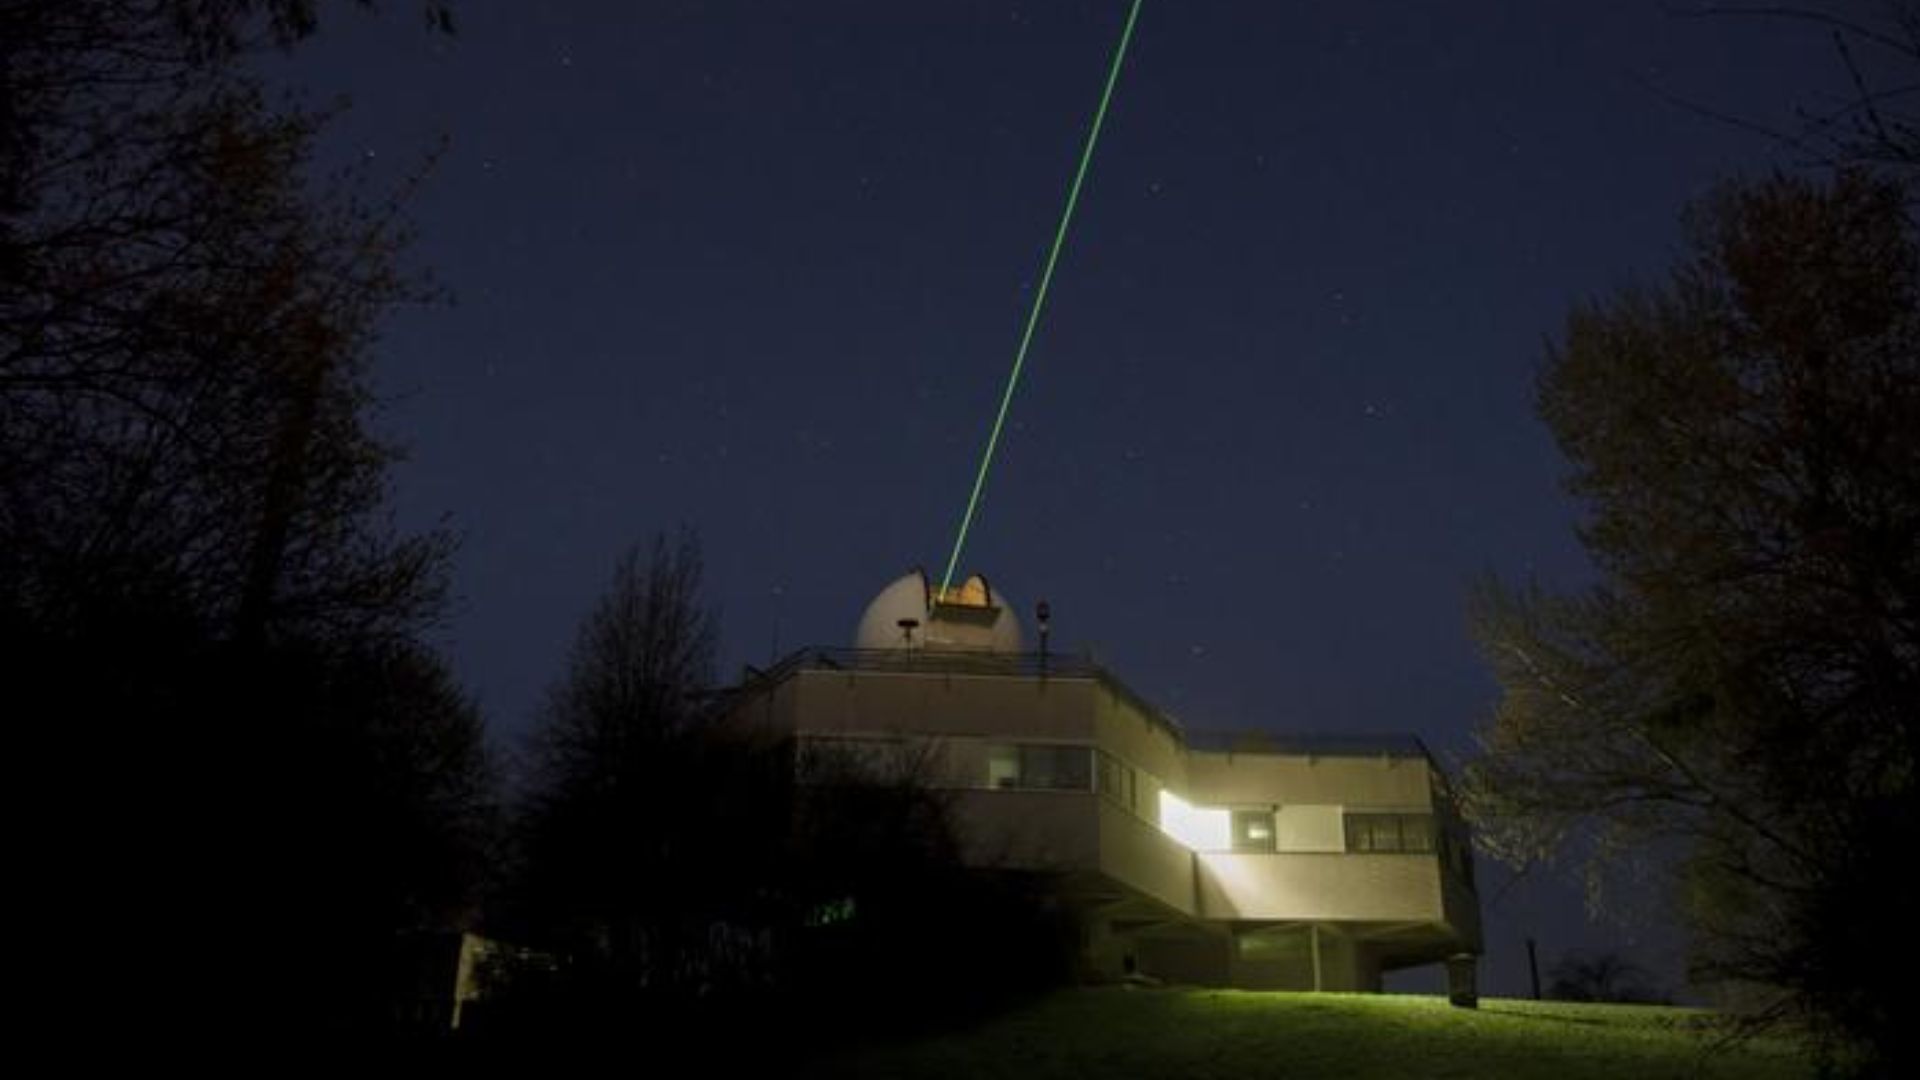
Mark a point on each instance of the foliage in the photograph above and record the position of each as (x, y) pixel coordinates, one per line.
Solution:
(184, 329)
(876, 849)
(1740, 686)
(211, 629)
(379, 790)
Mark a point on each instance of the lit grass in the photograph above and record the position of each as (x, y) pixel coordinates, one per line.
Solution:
(1235, 1035)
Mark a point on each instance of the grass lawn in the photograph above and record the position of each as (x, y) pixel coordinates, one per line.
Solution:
(1202, 1034)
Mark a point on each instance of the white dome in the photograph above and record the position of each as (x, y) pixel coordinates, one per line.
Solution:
(973, 617)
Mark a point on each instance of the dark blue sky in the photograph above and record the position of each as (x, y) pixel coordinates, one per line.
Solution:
(760, 268)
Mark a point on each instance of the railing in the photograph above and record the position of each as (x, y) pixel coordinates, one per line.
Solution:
(1033, 665)
(970, 661)
(1312, 744)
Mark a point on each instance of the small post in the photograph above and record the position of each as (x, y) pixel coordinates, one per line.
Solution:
(1463, 988)
(1043, 617)
(1533, 968)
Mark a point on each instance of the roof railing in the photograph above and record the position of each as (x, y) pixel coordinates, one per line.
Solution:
(1034, 665)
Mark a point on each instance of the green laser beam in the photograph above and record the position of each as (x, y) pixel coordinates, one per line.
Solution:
(1039, 299)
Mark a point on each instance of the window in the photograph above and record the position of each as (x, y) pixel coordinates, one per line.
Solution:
(1390, 832)
(1057, 768)
(1116, 781)
(1253, 830)
(1039, 767)
(1003, 766)
(829, 759)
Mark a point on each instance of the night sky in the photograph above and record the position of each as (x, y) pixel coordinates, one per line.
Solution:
(760, 269)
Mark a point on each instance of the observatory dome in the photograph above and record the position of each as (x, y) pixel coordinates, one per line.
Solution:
(907, 614)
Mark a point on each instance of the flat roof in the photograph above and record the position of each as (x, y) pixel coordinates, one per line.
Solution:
(1310, 744)
(1022, 665)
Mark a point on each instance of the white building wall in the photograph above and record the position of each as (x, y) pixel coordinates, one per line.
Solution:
(1318, 827)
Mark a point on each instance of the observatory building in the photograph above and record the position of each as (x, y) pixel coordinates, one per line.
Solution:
(1254, 859)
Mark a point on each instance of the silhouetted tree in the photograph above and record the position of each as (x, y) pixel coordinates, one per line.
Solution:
(208, 623)
(381, 806)
(1602, 976)
(623, 865)
(184, 331)
(881, 896)
(1741, 686)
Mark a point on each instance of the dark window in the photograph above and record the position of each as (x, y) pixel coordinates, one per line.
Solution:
(1253, 830)
(1116, 780)
(1057, 768)
(1390, 832)
(832, 759)
(1416, 832)
(1038, 767)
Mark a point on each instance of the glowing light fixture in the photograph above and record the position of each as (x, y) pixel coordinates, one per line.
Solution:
(1199, 828)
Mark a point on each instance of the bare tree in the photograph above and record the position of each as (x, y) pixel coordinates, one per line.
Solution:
(1877, 125)
(617, 805)
(1604, 977)
(184, 334)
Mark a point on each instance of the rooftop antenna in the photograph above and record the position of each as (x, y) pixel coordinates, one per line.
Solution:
(1039, 299)
(1043, 617)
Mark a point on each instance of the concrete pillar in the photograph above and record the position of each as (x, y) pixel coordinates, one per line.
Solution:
(1313, 937)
